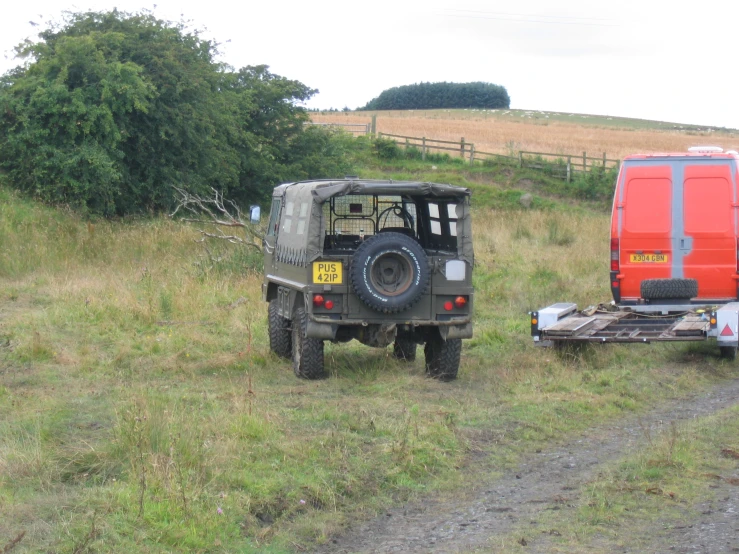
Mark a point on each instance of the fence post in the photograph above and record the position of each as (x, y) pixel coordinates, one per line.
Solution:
(584, 162)
(461, 147)
(569, 169)
(374, 125)
(520, 158)
(604, 160)
(472, 154)
(423, 149)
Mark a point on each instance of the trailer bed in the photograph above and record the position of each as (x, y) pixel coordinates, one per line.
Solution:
(625, 326)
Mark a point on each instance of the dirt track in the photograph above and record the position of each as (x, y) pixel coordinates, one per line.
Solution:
(549, 480)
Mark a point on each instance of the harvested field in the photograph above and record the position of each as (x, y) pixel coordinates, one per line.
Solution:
(508, 131)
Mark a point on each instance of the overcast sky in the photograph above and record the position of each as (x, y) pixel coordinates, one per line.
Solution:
(651, 59)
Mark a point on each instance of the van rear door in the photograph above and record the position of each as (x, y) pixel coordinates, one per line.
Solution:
(644, 215)
(708, 242)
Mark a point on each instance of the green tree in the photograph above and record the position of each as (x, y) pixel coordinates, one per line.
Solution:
(112, 109)
(441, 95)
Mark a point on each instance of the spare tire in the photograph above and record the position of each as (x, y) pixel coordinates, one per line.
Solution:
(656, 289)
(390, 272)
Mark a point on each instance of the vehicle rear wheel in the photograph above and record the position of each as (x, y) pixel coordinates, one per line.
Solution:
(404, 349)
(657, 289)
(728, 352)
(280, 341)
(307, 352)
(442, 357)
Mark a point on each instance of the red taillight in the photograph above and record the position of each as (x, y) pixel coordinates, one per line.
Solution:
(318, 300)
(329, 305)
(615, 255)
(448, 306)
(460, 301)
(737, 255)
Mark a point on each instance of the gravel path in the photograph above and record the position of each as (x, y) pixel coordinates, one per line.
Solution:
(546, 481)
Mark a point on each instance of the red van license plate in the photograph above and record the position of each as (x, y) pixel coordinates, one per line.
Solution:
(649, 258)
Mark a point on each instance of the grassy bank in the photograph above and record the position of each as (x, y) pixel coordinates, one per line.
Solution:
(141, 410)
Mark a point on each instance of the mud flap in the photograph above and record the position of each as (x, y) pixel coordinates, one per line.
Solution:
(324, 331)
(456, 331)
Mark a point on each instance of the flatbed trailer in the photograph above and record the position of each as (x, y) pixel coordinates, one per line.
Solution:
(563, 323)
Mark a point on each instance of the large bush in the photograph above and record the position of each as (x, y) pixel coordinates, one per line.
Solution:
(441, 95)
(111, 109)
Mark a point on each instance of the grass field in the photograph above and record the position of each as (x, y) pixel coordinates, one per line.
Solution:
(509, 131)
(141, 410)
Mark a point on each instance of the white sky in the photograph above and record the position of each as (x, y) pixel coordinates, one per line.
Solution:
(653, 59)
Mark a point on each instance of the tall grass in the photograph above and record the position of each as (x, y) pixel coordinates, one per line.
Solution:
(141, 409)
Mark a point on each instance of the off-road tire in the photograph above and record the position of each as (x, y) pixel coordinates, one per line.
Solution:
(280, 339)
(408, 267)
(307, 352)
(404, 349)
(657, 289)
(442, 357)
(728, 352)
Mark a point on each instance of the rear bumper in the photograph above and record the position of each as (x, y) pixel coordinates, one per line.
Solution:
(326, 328)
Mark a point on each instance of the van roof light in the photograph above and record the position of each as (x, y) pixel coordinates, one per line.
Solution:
(705, 149)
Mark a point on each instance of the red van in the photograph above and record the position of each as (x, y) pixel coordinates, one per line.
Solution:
(675, 228)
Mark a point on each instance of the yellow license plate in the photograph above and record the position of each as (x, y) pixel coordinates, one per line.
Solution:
(328, 273)
(649, 258)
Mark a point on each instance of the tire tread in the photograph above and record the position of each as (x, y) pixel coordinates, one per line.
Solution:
(443, 358)
(657, 289)
(280, 339)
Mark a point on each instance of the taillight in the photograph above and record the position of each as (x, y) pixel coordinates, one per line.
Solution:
(329, 305)
(318, 300)
(615, 255)
(460, 302)
(448, 306)
(737, 255)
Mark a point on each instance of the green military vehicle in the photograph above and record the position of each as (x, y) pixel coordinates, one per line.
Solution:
(382, 262)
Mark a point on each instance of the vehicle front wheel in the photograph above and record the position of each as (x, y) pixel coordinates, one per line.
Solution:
(307, 352)
(442, 357)
(280, 341)
(404, 349)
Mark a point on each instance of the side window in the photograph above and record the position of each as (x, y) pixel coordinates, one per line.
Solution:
(442, 224)
(434, 218)
(452, 213)
(274, 217)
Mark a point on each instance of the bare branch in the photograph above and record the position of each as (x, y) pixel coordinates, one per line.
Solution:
(214, 213)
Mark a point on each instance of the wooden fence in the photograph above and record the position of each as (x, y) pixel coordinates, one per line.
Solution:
(563, 166)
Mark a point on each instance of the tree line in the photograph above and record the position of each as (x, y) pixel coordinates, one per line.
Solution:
(110, 110)
(429, 96)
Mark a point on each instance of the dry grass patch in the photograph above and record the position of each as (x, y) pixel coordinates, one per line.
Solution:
(501, 135)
